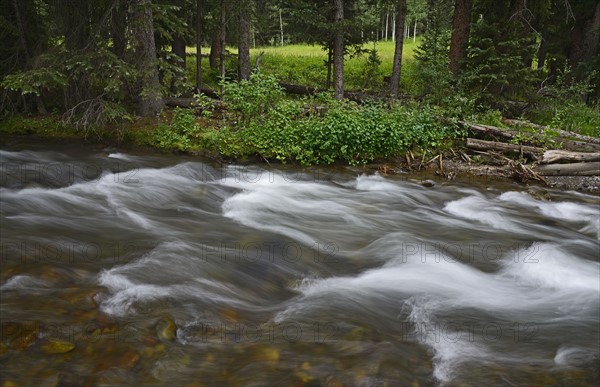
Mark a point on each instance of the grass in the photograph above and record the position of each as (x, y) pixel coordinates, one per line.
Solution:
(305, 64)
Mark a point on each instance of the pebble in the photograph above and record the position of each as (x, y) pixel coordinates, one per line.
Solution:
(129, 360)
(166, 329)
(57, 346)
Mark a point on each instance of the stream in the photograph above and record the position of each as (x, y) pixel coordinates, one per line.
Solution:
(127, 267)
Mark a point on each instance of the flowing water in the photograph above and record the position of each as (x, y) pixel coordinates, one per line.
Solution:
(145, 269)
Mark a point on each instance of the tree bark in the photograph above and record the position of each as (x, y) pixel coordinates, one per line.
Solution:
(215, 49)
(338, 49)
(461, 27)
(199, 4)
(149, 97)
(400, 18)
(244, 42)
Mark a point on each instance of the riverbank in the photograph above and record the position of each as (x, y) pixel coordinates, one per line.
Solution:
(453, 168)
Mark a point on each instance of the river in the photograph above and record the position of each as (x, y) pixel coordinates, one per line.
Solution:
(134, 268)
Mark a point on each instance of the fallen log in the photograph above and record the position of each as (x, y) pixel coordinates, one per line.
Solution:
(557, 156)
(574, 169)
(502, 147)
(507, 134)
(300, 89)
(488, 130)
(180, 102)
(187, 103)
(562, 133)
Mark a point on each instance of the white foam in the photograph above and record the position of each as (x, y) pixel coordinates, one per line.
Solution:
(23, 282)
(548, 265)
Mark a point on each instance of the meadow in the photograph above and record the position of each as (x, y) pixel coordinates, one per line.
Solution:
(305, 64)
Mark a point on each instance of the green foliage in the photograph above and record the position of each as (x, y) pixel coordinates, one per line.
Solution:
(182, 132)
(372, 76)
(253, 97)
(34, 81)
(495, 67)
(561, 106)
(433, 76)
(578, 117)
(321, 130)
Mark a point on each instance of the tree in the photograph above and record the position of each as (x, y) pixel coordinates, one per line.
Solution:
(199, 15)
(584, 39)
(244, 40)
(400, 18)
(149, 98)
(461, 26)
(338, 49)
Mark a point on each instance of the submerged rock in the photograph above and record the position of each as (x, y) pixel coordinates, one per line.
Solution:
(57, 346)
(129, 360)
(166, 329)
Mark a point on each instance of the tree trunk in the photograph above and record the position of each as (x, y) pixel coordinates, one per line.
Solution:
(119, 28)
(149, 97)
(582, 35)
(393, 25)
(338, 49)
(415, 32)
(329, 64)
(22, 34)
(199, 45)
(387, 20)
(244, 42)
(397, 64)
(222, 44)
(281, 27)
(584, 41)
(543, 49)
(215, 49)
(178, 48)
(461, 27)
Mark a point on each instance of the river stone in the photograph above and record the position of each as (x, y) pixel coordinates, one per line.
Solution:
(129, 360)
(57, 346)
(428, 183)
(166, 329)
(24, 339)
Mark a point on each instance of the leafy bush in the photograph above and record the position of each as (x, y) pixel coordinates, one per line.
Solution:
(253, 97)
(180, 133)
(320, 129)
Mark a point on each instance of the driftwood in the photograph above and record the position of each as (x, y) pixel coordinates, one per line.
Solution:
(557, 156)
(562, 133)
(574, 169)
(500, 146)
(507, 134)
(488, 130)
